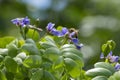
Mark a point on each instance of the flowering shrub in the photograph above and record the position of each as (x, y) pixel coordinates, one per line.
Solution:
(54, 56)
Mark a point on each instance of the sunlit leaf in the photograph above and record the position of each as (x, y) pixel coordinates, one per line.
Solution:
(32, 61)
(5, 40)
(100, 78)
(2, 76)
(12, 48)
(37, 75)
(33, 34)
(72, 67)
(52, 53)
(3, 52)
(47, 76)
(11, 65)
(75, 57)
(58, 63)
(105, 65)
(115, 76)
(98, 72)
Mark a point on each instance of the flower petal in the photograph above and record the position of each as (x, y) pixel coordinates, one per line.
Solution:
(50, 26)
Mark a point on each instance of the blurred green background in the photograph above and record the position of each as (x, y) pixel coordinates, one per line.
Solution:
(96, 20)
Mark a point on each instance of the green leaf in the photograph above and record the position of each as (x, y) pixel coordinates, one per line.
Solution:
(115, 76)
(58, 63)
(21, 55)
(12, 48)
(72, 67)
(9, 75)
(59, 28)
(47, 42)
(67, 46)
(105, 65)
(18, 60)
(32, 61)
(75, 57)
(72, 50)
(52, 53)
(106, 49)
(30, 48)
(1, 58)
(98, 72)
(3, 52)
(20, 43)
(47, 76)
(30, 41)
(64, 77)
(112, 43)
(100, 78)
(33, 34)
(112, 78)
(109, 46)
(2, 76)
(11, 65)
(19, 76)
(37, 75)
(5, 40)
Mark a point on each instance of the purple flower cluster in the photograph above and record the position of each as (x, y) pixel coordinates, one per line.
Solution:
(50, 28)
(112, 59)
(21, 21)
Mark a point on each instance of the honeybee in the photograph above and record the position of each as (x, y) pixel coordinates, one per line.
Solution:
(74, 30)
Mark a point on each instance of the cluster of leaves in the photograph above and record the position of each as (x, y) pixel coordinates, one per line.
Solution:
(27, 60)
(109, 69)
(50, 58)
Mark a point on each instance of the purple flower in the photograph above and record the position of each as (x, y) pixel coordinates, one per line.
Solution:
(26, 21)
(114, 58)
(110, 57)
(64, 31)
(58, 33)
(117, 66)
(21, 21)
(50, 26)
(55, 32)
(101, 56)
(79, 46)
(75, 40)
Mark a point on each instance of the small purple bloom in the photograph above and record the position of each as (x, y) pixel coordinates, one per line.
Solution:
(117, 66)
(79, 46)
(109, 55)
(26, 21)
(101, 56)
(58, 33)
(50, 26)
(21, 21)
(75, 40)
(55, 32)
(114, 58)
(64, 31)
